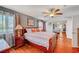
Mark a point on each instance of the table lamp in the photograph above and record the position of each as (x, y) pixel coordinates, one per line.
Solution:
(19, 30)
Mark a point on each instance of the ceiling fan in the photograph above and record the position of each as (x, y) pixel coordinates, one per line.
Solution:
(52, 12)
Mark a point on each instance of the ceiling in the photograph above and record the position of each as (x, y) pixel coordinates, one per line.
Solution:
(36, 10)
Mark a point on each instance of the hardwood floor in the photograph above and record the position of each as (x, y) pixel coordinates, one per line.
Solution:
(75, 50)
(25, 49)
(64, 45)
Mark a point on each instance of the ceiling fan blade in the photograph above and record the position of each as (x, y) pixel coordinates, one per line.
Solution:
(59, 14)
(45, 13)
(51, 9)
(57, 10)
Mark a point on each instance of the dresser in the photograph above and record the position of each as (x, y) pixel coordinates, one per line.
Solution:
(19, 41)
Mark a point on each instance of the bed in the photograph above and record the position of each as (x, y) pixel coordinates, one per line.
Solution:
(3, 45)
(43, 39)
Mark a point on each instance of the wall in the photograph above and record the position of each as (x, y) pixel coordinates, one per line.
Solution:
(23, 20)
(69, 28)
(75, 26)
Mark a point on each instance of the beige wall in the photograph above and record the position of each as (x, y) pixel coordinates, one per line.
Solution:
(23, 20)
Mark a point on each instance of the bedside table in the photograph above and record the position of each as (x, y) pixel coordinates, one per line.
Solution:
(19, 41)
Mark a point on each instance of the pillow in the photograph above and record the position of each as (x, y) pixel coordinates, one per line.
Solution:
(36, 30)
(33, 30)
(28, 30)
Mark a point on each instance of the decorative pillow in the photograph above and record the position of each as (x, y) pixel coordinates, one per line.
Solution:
(33, 30)
(28, 30)
(36, 30)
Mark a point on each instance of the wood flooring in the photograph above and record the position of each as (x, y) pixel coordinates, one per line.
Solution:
(25, 49)
(64, 45)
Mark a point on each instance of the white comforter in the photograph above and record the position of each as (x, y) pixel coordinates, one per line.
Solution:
(40, 38)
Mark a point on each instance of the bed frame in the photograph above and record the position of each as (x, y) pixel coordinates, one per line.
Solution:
(52, 45)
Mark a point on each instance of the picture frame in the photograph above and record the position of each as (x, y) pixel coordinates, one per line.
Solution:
(31, 22)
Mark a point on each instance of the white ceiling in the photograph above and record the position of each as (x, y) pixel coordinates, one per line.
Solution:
(36, 10)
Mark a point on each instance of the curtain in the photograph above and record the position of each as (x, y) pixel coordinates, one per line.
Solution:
(7, 27)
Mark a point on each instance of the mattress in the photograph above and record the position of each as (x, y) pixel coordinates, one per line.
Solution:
(40, 38)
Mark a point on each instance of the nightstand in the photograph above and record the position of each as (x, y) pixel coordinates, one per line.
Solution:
(19, 41)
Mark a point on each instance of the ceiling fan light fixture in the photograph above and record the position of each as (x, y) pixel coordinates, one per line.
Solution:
(51, 15)
(53, 12)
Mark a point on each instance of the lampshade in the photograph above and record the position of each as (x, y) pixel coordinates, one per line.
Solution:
(18, 27)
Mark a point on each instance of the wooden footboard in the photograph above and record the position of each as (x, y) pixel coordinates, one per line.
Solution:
(52, 44)
(38, 46)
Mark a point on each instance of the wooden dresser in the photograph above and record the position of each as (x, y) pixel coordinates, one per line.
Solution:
(19, 41)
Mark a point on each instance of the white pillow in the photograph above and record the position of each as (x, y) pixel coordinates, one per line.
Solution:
(28, 30)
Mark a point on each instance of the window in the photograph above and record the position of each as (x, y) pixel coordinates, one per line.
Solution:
(9, 23)
(6, 22)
